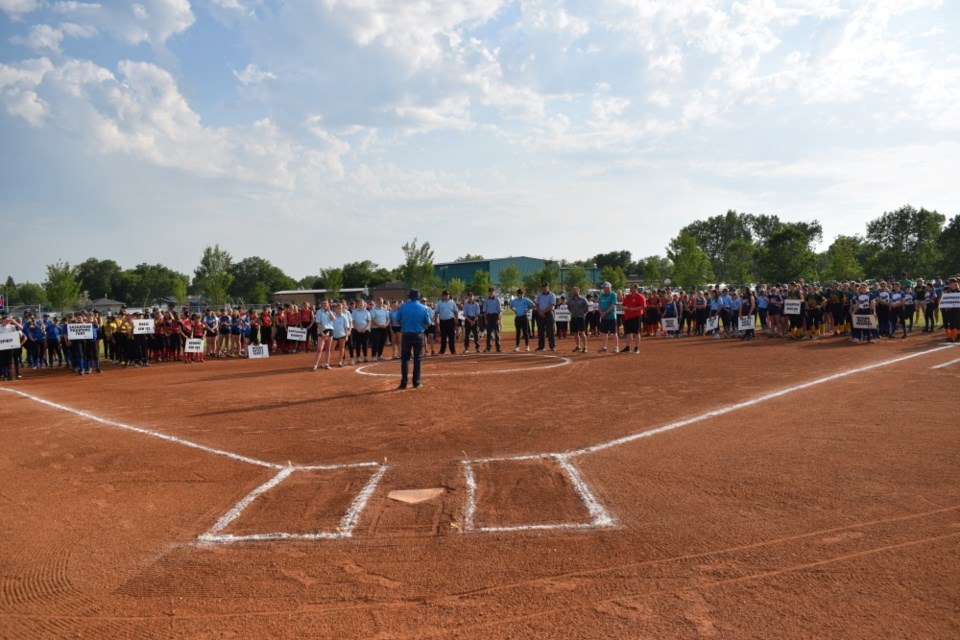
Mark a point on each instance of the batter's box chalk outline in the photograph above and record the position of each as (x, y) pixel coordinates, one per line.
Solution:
(344, 530)
(599, 516)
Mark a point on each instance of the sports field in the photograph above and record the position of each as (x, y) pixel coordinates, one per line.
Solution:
(703, 488)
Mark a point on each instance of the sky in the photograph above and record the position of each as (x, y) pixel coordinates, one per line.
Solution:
(313, 133)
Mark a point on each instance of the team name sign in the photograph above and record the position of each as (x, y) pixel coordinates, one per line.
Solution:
(297, 334)
(80, 331)
(141, 327)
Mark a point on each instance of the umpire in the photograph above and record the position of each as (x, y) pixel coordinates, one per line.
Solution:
(414, 318)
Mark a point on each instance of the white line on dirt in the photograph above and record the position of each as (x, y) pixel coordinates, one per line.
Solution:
(946, 364)
(563, 361)
(238, 508)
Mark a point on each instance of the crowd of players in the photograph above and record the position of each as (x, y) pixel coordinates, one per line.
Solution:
(349, 332)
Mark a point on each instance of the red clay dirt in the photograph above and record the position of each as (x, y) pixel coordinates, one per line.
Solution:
(831, 511)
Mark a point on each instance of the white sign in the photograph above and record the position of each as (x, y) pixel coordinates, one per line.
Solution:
(193, 345)
(529, 315)
(9, 340)
(747, 323)
(258, 351)
(619, 308)
(950, 300)
(792, 307)
(864, 321)
(296, 333)
(460, 315)
(80, 331)
(561, 315)
(712, 324)
(671, 324)
(144, 326)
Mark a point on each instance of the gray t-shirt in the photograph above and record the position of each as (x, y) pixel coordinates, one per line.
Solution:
(578, 307)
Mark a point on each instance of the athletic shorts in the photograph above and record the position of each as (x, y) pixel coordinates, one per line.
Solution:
(577, 324)
(631, 325)
(608, 325)
(328, 332)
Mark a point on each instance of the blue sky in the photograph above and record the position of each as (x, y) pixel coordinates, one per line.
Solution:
(314, 133)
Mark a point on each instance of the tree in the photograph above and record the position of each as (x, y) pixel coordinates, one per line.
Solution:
(332, 282)
(509, 278)
(148, 282)
(950, 248)
(549, 273)
(906, 240)
(621, 259)
(417, 268)
(714, 234)
(456, 287)
(255, 278)
(480, 282)
(531, 283)
(364, 274)
(213, 277)
(615, 276)
(691, 264)
(738, 260)
(61, 287)
(787, 256)
(469, 258)
(841, 260)
(576, 277)
(99, 278)
(29, 293)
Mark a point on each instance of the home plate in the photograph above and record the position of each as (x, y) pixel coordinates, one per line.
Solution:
(414, 496)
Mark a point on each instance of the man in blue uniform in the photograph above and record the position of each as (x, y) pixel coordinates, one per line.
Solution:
(471, 326)
(546, 302)
(414, 318)
(492, 310)
(447, 315)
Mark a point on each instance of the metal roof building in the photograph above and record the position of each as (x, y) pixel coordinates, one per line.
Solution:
(526, 265)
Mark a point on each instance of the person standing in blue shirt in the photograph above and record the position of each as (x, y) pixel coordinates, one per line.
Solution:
(608, 318)
(471, 323)
(52, 330)
(380, 317)
(362, 320)
(521, 325)
(492, 310)
(546, 302)
(414, 318)
(446, 310)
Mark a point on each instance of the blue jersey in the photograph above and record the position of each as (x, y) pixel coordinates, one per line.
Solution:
(521, 305)
(413, 317)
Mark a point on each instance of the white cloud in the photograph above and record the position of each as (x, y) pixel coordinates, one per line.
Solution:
(253, 75)
(78, 30)
(18, 8)
(147, 21)
(42, 37)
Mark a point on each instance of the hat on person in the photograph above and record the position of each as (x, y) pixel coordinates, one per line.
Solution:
(414, 294)
(444, 293)
(519, 292)
(46, 315)
(607, 285)
(544, 284)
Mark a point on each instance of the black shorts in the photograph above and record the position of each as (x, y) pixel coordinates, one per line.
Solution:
(578, 324)
(608, 325)
(631, 325)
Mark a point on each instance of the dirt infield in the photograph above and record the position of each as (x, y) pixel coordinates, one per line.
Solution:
(699, 489)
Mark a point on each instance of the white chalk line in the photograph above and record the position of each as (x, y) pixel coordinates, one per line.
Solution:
(564, 361)
(601, 518)
(347, 523)
(946, 364)
(344, 530)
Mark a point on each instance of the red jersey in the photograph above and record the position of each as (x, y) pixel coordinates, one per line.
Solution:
(306, 317)
(198, 329)
(187, 325)
(265, 319)
(633, 300)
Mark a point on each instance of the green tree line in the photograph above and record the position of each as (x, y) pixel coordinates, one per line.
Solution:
(734, 248)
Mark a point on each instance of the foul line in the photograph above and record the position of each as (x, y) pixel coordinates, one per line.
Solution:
(946, 364)
(563, 362)
(600, 516)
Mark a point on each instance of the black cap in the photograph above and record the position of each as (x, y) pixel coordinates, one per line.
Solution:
(414, 294)
(544, 284)
(444, 293)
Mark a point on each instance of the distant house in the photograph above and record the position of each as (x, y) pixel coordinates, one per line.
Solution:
(106, 305)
